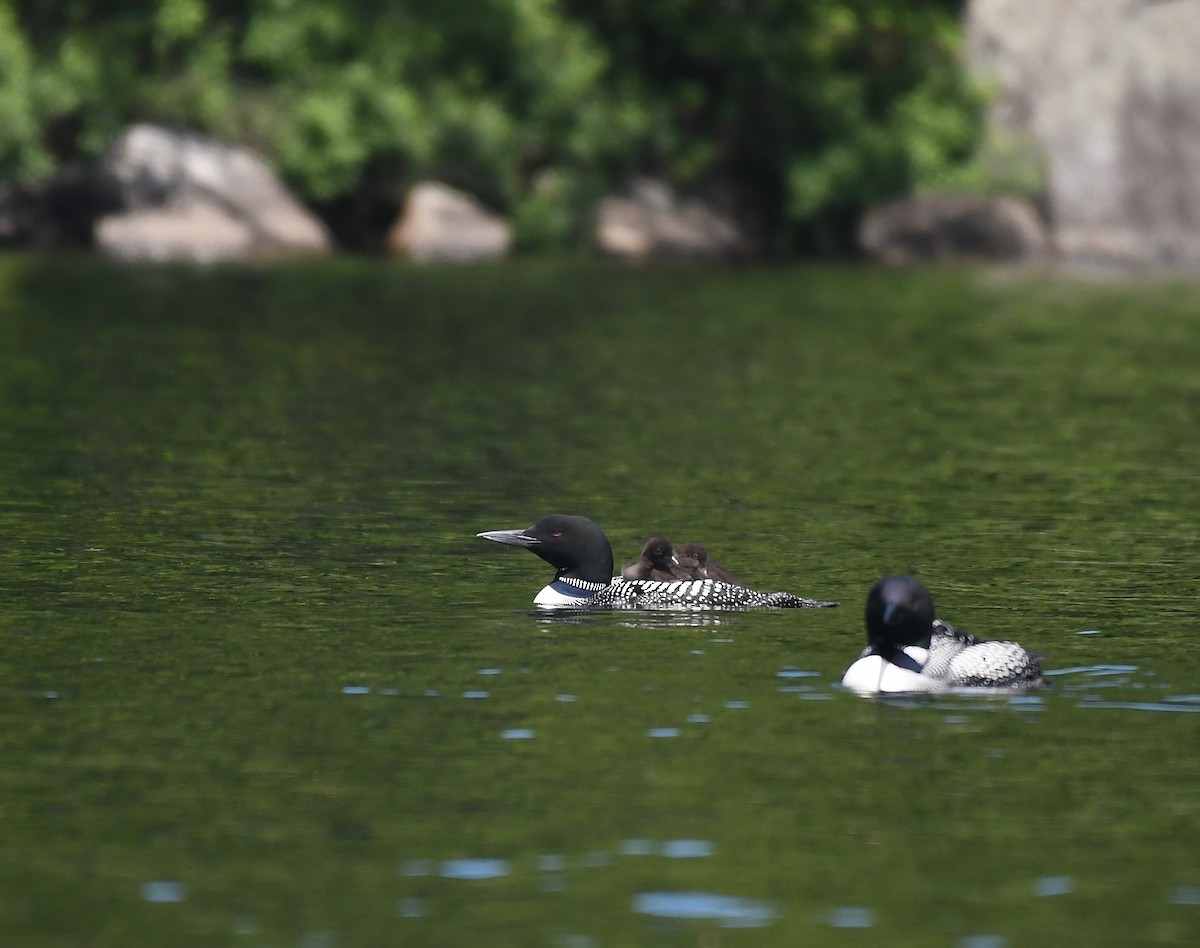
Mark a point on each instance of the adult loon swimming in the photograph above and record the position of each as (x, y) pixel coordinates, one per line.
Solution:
(694, 558)
(910, 650)
(657, 562)
(583, 562)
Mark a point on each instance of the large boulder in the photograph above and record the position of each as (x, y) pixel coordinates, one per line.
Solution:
(1109, 92)
(653, 223)
(187, 197)
(945, 227)
(441, 224)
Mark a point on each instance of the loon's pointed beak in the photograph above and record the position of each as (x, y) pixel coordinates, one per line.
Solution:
(888, 611)
(510, 537)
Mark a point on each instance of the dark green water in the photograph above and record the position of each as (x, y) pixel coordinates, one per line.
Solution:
(260, 685)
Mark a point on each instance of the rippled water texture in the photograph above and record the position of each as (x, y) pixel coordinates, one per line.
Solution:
(261, 684)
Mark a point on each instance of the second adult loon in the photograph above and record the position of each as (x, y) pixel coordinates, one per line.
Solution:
(910, 650)
(583, 562)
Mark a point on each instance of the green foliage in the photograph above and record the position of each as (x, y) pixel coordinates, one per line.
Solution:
(536, 106)
(1003, 163)
(824, 107)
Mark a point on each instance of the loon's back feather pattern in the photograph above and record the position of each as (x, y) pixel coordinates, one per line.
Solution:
(695, 594)
(963, 660)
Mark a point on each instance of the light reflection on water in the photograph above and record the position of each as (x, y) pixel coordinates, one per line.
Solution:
(1092, 671)
(632, 618)
(687, 848)
(1081, 681)
(1054, 885)
(1185, 895)
(163, 891)
(411, 907)
(1138, 705)
(474, 868)
(726, 910)
(851, 917)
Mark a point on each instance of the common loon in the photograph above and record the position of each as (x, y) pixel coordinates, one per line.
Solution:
(583, 562)
(657, 562)
(910, 650)
(694, 558)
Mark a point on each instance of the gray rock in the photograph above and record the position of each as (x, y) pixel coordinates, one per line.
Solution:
(1109, 90)
(442, 224)
(653, 223)
(187, 197)
(928, 228)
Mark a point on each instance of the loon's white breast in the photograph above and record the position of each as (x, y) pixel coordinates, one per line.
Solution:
(561, 594)
(873, 674)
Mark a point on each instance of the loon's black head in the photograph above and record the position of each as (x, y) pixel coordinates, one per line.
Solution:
(574, 546)
(899, 612)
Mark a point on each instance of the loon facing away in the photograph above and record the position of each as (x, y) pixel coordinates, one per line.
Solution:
(694, 558)
(910, 650)
(657, 562)
(583, 562)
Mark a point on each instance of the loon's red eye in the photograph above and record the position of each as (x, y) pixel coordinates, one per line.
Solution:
(556, 533)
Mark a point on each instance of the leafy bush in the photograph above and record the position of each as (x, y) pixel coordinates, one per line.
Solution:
(537, 106)
(821, 107)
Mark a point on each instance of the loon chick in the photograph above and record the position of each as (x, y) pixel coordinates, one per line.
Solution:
(657, 562)
(583, 562)
(908, 649)
(694, 558)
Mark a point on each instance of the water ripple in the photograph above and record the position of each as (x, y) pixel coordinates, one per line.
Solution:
(163, 891)
(411, 907)
(1092, 671)
(852, 917)
(728, 911)
(474, 868)
(1138, 705)
(1054, 885)
(1185, 895)
(687, 848)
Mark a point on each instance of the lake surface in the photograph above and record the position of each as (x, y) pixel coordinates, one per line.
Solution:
(261, 685)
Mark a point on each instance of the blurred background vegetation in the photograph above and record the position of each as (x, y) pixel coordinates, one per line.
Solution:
(798, 113)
